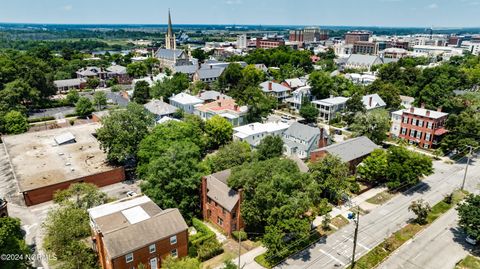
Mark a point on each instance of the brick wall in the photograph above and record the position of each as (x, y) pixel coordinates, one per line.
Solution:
(44, 194)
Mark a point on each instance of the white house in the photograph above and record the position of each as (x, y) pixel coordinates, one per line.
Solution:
(300, 140)
(361, 79)
(253, 133)
(185, 101)
(396, 123)
(298, 96)
(373, 101)
(407, 101)
(328, 107)
(276, 90)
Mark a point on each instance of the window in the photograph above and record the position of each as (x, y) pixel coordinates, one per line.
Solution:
(173, 240)
(427, 136)
(425, 146)
(174, 253)
(224, 211)
(129, 257)
(419, 135)
(420, 123)
(404, 131)
(219, 221)
(430, 125)
(414, 121)
(152, 248)
(405, 120)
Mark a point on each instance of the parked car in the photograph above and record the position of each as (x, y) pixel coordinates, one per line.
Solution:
(472, 241)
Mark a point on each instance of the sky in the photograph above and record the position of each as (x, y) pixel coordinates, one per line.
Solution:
(397, 13)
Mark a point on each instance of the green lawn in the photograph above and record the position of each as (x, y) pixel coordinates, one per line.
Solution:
(470, 262)
(381, 198)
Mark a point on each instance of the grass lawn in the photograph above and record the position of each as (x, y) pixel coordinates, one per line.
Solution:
(382, 251)
(339, 221)
(470, 262)
(381, 198)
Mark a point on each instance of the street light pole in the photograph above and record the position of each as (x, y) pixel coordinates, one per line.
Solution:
(355, 237)
(466, 168)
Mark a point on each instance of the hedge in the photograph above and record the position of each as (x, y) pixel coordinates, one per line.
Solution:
(209, 249)
(203, 233)
(40, 119)
(239, 235)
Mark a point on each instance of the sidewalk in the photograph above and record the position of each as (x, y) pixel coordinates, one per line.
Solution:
(247, 260)
(220, 237)
(345, 209)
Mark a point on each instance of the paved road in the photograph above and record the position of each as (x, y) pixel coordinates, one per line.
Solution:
(440, 246)
(335, 250)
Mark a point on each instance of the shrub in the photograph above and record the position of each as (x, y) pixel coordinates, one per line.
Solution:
(41, 119)
(209, 249)
(240, 235)
(203, 233)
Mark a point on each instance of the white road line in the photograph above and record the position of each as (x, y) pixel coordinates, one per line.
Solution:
(358, 243)
(332, 257)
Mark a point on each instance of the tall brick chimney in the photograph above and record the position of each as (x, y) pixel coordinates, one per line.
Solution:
(412, 109)
(370, 101)
(427, 113)
(269, 85)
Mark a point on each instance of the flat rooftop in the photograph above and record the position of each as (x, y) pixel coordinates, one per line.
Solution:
(38, 160)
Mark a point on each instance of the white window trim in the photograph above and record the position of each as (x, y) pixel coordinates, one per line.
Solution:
(127, 260)
(174, 251)
(173, 240)
(152, 250)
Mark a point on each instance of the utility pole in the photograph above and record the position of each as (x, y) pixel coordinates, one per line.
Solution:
(355, 237)
(466, 168)
(239, 248)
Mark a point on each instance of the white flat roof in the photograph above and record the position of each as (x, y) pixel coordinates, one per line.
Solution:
(258, 128)
(185, 98)
(332, 101)
(120, 205)
(135, 214)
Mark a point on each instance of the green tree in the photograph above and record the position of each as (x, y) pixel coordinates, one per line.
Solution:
(12, 242)
(405, 168)
(309, 112)
(141, 93)
(72, 97)
(15, 122)
(93, 83)
(252, 76)
(137, 69)
(229, 265)
(331, 175)
(374, 167)
(183, 263)
(199, 54)
(122, 131)
(80, 195)
(374, 125)
(99, 99)
(231, 76)
(355, 105)
(270, 147)
(219, 131)
(321, 84)
(228, 156)
(151, 63)
(170, 86)
(469, 214)
(84, 107)
(388, 92)
(421, 209)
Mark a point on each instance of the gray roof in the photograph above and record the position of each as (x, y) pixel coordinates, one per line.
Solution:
(351, 149)
(302, 131)
(133, 223)
(159, 108)
(90, 71)
(212, 95)
(361, 59)
(168, 54)
(302, 166)
(186, 69)
(213, 72)
(219, 191)
(377, 101)
(276, 87)
(117, 98)
(75, 82)
(117, 69)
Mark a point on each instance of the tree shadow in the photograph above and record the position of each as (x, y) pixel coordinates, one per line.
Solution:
(421, 188)
(459, 236)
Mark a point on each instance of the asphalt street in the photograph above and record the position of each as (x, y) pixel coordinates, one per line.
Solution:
(335, 251)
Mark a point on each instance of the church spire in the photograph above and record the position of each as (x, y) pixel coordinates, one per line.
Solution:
(170, 41)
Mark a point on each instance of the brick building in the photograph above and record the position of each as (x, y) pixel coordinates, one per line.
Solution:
(353, 36)
(420, 126)
(365, 47)
(351, 151)
(46, 161)
(295, 36)
(269, 43)
(220, 203)
(134, 231)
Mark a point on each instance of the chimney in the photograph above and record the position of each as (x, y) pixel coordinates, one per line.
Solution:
(235, 107)
(252, 126)
(269, 85)
(439, 109)
(422, 105)
(412, 109)
(161, 98)
(218, 97)
(322, 142)
(427, 113)
(370, 101)
(211, 66)
(240, 200)
(219, 104)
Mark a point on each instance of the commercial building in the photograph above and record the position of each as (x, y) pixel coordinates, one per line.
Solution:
(295, 36)
(329, 107)
(253, 133)
(220, 203)
(314, 34)
(269, 43)
(351, 151)
(363, 62)
(365, 47)
(420, 126)
(223, 107)
(354, 36)
(46, 161)
(242, 41)
(134, 231)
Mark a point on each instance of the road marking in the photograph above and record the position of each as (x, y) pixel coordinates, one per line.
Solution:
(332, 257)
(358, 243)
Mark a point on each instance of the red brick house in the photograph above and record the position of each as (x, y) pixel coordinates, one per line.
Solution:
(423, 127)
(134, 231)
(220, 203)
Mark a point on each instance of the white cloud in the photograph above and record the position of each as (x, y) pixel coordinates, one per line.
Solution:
(432, 6)
(67, 7)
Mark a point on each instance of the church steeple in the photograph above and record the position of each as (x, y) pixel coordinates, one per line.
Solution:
(170, 41)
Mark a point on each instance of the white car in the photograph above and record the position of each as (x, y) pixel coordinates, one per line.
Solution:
(472, 241)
